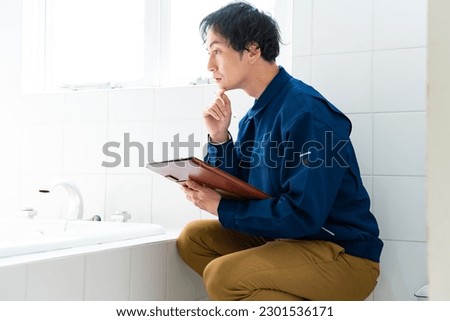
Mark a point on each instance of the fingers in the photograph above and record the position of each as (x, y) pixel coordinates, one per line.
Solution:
(193, 192)
(224, 97)
(225, 103)
(191, 189)
(193, 185)
(201, 196)
(215, 111)
(220, 108)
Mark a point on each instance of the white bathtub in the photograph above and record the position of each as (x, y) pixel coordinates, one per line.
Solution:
(27, 236)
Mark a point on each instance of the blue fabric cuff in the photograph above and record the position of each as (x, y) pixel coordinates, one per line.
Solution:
(217, 153)
(226, 211)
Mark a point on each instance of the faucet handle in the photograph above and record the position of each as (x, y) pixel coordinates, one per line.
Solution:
(28, 212)
(121, 216)
(95, 218)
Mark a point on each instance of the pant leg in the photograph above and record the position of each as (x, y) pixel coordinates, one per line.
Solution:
(291, 270)
(202, 241)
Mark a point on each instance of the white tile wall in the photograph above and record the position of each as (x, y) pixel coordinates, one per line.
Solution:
(64, 134)
(9, 65)
(361, 138)
(345, 80)
(10, 100)
(336, 27)
(399, 144)
(14, 279)
(170, 207)
(403, 271)
(131, 105)
(302, 26)
(399, 204)
(11, 105)
(43, 108)
(107, 275)
(10, 18)
(42, 149)
(91, 106)
(399, 80)
(131, 193)
(83, 143)
(399, 23)
(9, 194)
(148, 273)
(10, 141)
(301, 68)
(167, 132)
(178, 103)
(62, 279)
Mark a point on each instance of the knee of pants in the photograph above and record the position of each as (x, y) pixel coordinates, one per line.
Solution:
(185, 239)
(220, 279)
(190, 239)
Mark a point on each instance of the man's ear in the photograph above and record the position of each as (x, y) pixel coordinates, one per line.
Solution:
(253, 52)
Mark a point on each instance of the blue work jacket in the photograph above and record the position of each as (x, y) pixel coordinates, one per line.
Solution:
(295, 145)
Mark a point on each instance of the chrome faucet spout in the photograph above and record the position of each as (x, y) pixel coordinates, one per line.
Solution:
(75, 208)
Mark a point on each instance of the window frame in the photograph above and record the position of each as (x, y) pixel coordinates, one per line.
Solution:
(37, 73)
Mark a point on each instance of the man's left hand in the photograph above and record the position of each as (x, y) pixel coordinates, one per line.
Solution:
(201, 196)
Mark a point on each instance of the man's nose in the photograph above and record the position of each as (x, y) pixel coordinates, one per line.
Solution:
(211, 64)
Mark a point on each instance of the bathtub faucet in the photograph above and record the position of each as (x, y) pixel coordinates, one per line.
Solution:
(75, 200)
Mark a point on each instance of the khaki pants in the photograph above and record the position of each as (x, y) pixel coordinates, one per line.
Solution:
(237, 266)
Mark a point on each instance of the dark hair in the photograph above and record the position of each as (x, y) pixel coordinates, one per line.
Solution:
(242, 25)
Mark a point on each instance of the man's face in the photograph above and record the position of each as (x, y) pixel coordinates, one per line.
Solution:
(228, 66)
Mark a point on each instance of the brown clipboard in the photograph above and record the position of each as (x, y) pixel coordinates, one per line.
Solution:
(229, 186)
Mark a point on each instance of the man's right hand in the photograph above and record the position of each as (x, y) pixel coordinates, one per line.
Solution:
(217, 118)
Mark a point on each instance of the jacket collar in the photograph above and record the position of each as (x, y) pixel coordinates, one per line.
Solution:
(269, 93)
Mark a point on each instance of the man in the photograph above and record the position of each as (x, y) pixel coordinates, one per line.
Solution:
(315, 238)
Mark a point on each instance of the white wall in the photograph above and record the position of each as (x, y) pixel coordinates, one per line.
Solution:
(61, 136)
(47, 137)
(369, 58)
(371, 65)
(438, 171)
(10, 103)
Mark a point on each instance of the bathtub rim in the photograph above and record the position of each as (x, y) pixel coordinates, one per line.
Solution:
(169, 235)
(58, 234)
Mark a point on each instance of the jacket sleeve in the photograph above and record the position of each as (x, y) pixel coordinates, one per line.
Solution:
(306, 179)
(224, 156)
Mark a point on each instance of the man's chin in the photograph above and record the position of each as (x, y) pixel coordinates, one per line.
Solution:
(221, 87)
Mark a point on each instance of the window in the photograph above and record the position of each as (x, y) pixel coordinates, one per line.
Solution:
(83, 42)
(188, 57)
(102, 40)
(96, 43)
